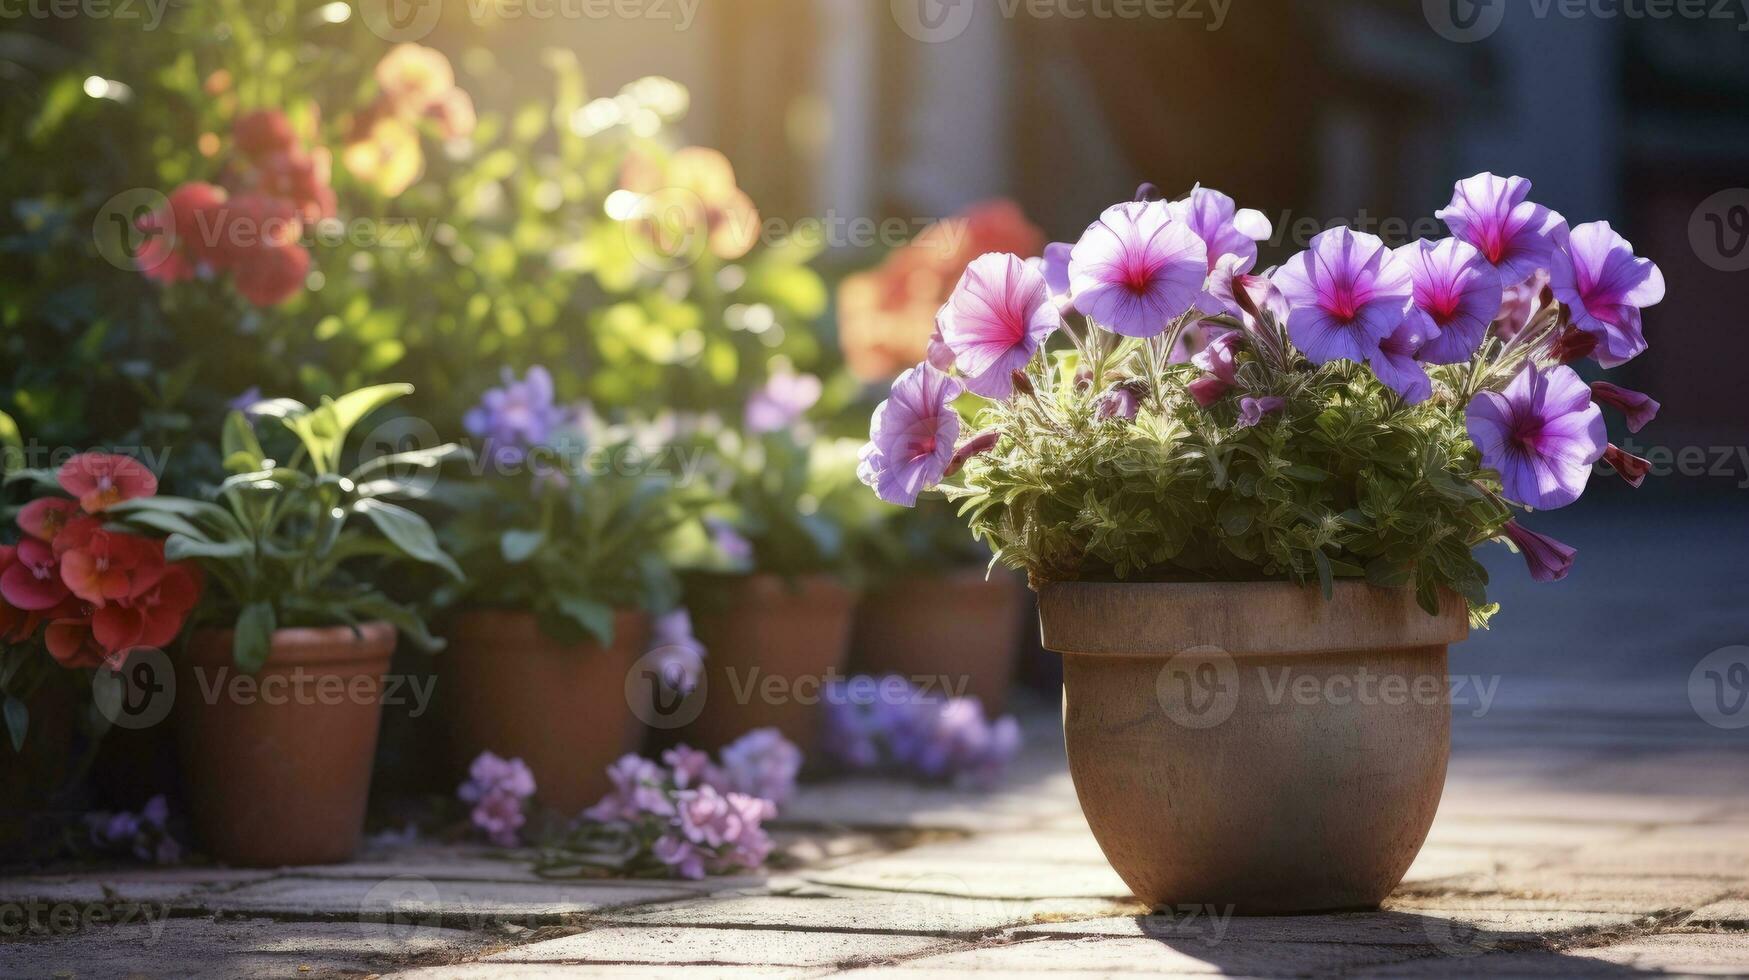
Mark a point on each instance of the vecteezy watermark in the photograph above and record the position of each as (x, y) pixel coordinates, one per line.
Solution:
(1201, 688)
(147, 13)
(33, 455)
(1468, 21)
(1693, 462)
(397, 21)
(140, 694)
(935, 21)
(1719, 230)
(1718, 688)
(35, 917)
(1462, 937)
(658, 697)
(1204, 923)
(1298, 232)
(144, 690)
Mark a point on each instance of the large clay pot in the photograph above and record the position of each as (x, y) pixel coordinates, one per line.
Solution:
(771, 647)
(276, 766)
(560, 707)
(1251, 745)
(961, 629)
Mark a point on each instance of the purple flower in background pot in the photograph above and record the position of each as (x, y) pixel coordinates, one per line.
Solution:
(1549, 560)
(1605, 286)
(912, 436)
(781, 403)
(763, 764)
(1515, 236)
(516, 417)
(1398, 365)
(1457, 295)
(1136, 270)
(998, 315)
(1639, 408)
(1542, 434)
(1226, 229)
(1345, 295)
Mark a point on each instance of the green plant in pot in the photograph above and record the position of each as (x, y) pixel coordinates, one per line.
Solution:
(566, 534)
(279, 687)
(1254, 557)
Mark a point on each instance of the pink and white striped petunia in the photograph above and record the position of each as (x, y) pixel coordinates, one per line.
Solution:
(1515, 235)
(1136, 270)
(994, 322)
(912, 436)
(1224, 227)
(1457, 295)
(1605, 286)
(1345, 295)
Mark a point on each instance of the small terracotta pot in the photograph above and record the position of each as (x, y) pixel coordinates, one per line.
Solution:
(959, 629)
(1250, 745)
(771, 648)
(560, 707)
(276, 766)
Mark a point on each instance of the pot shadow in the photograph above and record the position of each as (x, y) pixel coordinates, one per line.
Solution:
(1416, 944)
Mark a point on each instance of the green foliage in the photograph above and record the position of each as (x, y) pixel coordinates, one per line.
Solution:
(1344, 482)
(277, 538)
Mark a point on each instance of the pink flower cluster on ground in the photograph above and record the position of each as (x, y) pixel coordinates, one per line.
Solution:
(699, 817)
(498, 789)
(144, 835)
(888, 723)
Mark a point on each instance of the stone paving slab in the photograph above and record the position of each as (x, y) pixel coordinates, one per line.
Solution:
(637, 971)
(1551, 890)
(1474, 929)
(860, 910)
(717, 947)
(472, 904)
(1060, 958)
(1679, 954)
(941, 874)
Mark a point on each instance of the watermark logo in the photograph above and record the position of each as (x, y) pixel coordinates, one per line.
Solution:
(1718, 688)
(1719, 230)
(398, 21)
(124, 236)
(140, 694)
(1198, 688)
(933, 21)
(1456, 937)
(667, 230)
(1464, 21)
(655, 694)
(402, 910)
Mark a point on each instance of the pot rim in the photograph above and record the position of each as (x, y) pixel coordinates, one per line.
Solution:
(1162, 619)
(296, 646)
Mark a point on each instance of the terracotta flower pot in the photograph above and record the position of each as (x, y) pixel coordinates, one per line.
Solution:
(276, 766)
(560, 707)
(771, 647)
(959, 626)
(1250, 745)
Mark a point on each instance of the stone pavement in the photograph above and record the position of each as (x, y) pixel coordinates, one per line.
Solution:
(1584, 843)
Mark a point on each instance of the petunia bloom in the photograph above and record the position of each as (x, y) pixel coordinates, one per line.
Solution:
(1225, 229)
(782, 402)
(978, 445)
(912, 436)
(1542, 434)
(1518, 304)
(1457, 295)
(1516, 236)
(101, 480)
(1629, 467)
(1345, 295)
(1220, 360)
(45, 517)
(1252, 410)
(1549, 560)
(1136, 270)
(32, 580)
(994, 322)
(1639, 408)
(1398, 365)
(516, 417)
(1605, 286)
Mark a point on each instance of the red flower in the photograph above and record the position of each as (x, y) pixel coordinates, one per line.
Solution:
(101, 480)
(272, 274)
(45, 517)
(16, 625)
(69, 637)
(32, 579)
(150, 618)
(100, 566)
(178, 236)
(262, 132)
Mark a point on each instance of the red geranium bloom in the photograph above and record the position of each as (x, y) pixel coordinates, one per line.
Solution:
(16, 625)
(272, 274)
(44, 518)
(32, 579)
(150, 618)
(101, 480)
(69, 637)
(179, 237)
(262, 132)
(101, 566)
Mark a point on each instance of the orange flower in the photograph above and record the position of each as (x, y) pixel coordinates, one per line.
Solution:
(101, 480)
(384, 153)
(414, 77)
(693, 197)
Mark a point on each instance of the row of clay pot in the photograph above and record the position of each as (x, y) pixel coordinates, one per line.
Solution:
(287, 783)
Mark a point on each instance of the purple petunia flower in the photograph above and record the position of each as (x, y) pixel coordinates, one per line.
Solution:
(912, 436)
(498, 788)
(1639, 408)
(144, 835)
(781, 403)
(1542, 434)
(995, 320)
(1225, 229)
(1229, 281)
(1605, 286)
(637, 792)
(1136, 270)
(1121, 401)
(1345, 295)
(763, 764)
(1220, 360)
(1518, 303)
(1457, 295)
(1056, 267)
(872, 723)
(1549, 560)
(1514, 235)
(517, 417)
(676, 652)
(1252, 410)
(1398, 365)
(692, 768)
(939, 355)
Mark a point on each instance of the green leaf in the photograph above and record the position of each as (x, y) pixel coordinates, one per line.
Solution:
(179, 547)
(350, 409)
(1326, 576)
(409, 532)
(253, 640)
(419, 458)
(242, 451)
(1385, 573)
(519, 546)
(594, 617)
(11, 443)
(17, 721)
(376, 606)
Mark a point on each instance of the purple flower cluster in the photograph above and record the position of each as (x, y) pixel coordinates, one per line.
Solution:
(498, 789)
(781, 403)
(144, 835)
(697, 817)
(888, 723)
(515, 418)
